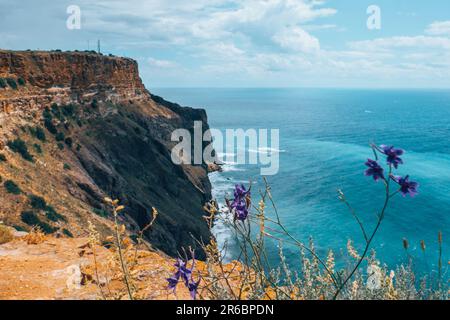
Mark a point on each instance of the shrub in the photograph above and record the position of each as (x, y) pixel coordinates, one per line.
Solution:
(47, 114)
(38, 148)
(19, 228)
(19, 146)
(5, 234)
(48, 123)
(38, 133)
(12, 187)
(68, 110)
(37, 202)
(52, 215)
(67, 166)
(67, 233)
(2, 83)
(31, 219)
(94, 104)
(21, 81)
(101, 212)
(60, 146)
(2, 157)
(60, 136)
(12, 83)
(69, 142)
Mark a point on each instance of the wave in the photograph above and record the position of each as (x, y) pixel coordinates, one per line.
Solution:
(266, 150)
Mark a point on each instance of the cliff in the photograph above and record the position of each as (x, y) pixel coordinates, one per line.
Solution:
(76, 127)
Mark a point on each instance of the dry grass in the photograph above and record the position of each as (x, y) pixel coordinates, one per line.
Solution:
(35, 236)
(5, 235)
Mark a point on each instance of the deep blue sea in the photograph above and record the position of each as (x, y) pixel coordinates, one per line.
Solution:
(324, 137)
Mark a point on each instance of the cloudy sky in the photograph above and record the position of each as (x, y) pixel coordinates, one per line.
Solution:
(249, 43)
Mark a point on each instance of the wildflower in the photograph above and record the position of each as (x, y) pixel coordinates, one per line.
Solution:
(393, 155)
(241, 203)
(374, 170)
(181, 272)
(185, 274)
(193, 287)
(406, 186)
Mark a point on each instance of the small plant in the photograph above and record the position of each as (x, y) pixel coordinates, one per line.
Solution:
(47, 114)
(48, 123)
(35, 236)
(2, 157)
(19, 146)
(94, 104)
(21, 81)
(2, 83)
(31, 219)
(69, 142)
(68, 110)
(5, 235)
(37, 202)
(60, 146)
(38, 133)
(37, 147)
(184, 274)
(12, 187)
(12, 83)
(101, 212)
(67, 166)
(67, 233)
(52, 215)
(60, 136)
(119, 230)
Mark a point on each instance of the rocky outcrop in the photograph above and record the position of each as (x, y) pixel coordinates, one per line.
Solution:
(120, 146)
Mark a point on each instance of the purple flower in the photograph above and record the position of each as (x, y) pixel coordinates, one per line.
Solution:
(393, 155)
(375, 170)
(173, 282)
(193, 287)
(240, 209)
(185, 274)
(240, 192)
(406, 186)
(181, 272)
(241, 203)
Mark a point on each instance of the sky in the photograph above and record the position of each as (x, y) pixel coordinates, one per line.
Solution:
(249, 43)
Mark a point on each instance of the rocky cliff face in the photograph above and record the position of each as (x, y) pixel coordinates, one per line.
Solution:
(90, 129)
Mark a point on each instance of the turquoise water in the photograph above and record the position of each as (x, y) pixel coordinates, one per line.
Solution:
(324, 136)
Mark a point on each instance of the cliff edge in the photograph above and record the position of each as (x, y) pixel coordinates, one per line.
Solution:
(76, 127)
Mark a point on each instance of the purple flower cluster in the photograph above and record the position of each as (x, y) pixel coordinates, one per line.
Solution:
(392, 155)
(185, 274)
(375, 170)
(241, 203)
(393, 160)
(406, 186)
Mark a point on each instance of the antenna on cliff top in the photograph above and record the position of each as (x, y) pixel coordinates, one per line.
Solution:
(98, 46)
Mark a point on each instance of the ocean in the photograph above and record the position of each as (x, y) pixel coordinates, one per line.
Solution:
(324, 143)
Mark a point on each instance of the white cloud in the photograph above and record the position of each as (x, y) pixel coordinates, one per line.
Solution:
(161, 63)
(381, 44)
(438, 28)
(296, 39)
